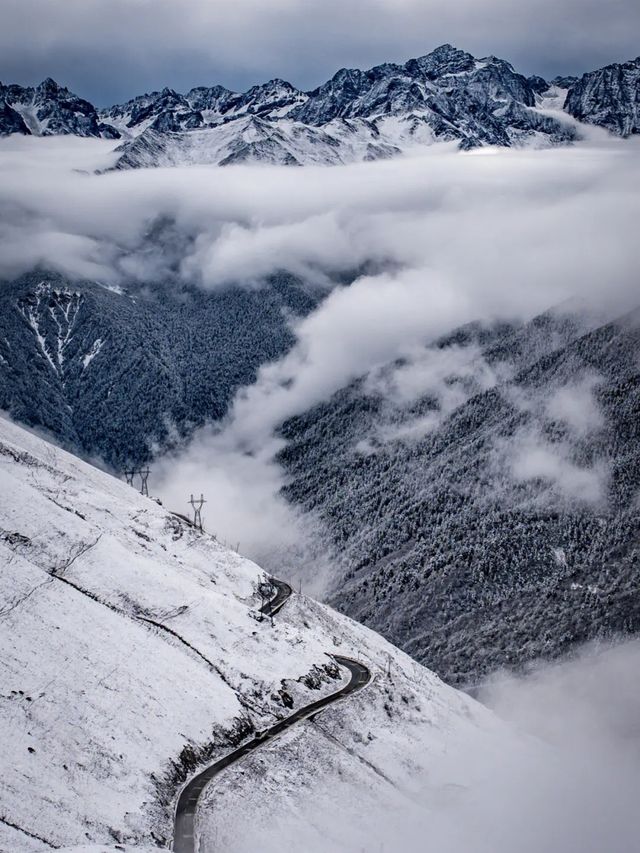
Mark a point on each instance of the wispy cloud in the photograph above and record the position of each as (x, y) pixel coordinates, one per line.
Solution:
(536, 460)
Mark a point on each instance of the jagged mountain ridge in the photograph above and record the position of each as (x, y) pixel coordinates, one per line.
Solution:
(356, 115)
(492, 519)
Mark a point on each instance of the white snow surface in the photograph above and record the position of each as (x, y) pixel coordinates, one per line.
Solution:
(96, 703)
(250, 139)
(93, 352)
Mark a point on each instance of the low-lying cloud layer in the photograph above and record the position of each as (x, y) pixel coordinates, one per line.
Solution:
(445, 238)
(480, 225)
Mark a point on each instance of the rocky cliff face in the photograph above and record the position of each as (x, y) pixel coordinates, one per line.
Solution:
(11, 121)
(48, 110)
(609, 97)
(165, 111)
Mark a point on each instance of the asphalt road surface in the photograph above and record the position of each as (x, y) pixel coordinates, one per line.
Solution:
(184, 840)
(283, 591)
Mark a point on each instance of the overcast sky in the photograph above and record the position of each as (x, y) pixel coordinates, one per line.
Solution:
(109, 50)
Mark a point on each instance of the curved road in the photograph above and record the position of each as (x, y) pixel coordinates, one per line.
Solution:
(283, 591)
(184, 825)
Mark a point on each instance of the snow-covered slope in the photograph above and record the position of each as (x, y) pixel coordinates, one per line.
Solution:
(288, 143)
(130, 654)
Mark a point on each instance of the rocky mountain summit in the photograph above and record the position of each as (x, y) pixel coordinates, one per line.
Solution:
(609, 97)
(448, 86)
(447, 95)
(49, 110)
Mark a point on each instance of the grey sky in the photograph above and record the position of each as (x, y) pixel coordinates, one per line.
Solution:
(109, 50)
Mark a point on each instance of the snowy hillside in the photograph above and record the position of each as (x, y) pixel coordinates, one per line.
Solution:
(288, 143)
(131, 654)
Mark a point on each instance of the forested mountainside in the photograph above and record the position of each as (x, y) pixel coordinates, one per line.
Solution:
(484, 498)
(118, 375)
(446, 95)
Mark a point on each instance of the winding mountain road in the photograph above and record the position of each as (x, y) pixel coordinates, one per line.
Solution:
(184, 836)
(283, 591)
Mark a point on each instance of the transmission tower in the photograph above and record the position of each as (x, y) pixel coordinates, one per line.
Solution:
(144, 476)
(197, 504)
(129, 474)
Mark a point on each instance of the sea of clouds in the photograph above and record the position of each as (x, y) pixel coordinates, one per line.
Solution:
(440, 238)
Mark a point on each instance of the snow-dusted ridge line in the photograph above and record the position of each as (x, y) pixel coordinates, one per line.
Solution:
(184, 839)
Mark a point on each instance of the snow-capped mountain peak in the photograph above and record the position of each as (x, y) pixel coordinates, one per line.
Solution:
(47, 110)
(446, 95)
(609, 97)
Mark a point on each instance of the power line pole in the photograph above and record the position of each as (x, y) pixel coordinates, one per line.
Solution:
(144, 476)
(197, 504)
